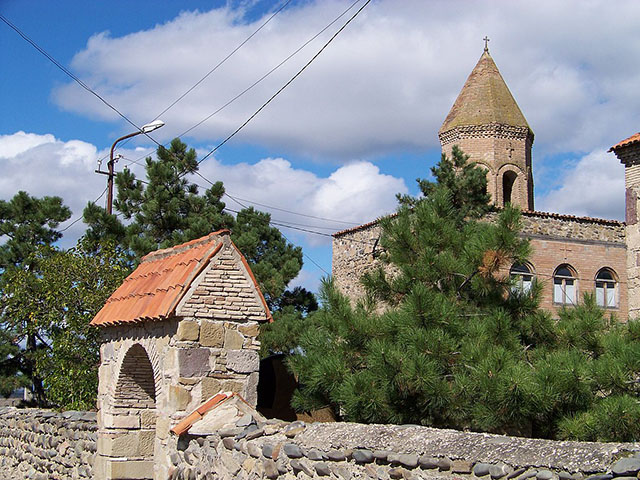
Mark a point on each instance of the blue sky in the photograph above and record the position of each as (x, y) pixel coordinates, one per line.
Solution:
(357, 127)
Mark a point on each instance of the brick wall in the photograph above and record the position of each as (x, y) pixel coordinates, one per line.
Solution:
(498, 148)
(586, 244)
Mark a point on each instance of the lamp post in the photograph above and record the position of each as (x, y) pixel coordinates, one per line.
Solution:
(149, 127)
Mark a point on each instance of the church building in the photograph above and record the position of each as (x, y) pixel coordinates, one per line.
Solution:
(571, 255)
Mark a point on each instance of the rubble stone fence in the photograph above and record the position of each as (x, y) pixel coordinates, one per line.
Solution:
(345, 451)
(46, 445)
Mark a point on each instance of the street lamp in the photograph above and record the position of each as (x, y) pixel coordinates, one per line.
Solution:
(149, 127)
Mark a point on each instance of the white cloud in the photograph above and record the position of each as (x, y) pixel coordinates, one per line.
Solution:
(593, 187)
(350, 195)
(386, 82)
(42, 165)
(354, 193)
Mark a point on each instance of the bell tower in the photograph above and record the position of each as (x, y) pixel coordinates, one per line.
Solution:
(487, 124)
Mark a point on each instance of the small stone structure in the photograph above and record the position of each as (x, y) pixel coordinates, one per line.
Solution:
(181, 327)
(247, 447)
(46, 445)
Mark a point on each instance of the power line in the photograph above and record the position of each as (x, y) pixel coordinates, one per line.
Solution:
(218, 65)
(81, 216)
(250, 87)
(225, 58)
(294, 213)
(271, 222)
(244, 124)
(67, 72)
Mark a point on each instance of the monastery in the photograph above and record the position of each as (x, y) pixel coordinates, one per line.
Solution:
(571, 255)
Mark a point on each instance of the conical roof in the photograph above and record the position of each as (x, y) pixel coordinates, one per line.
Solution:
(484, 99)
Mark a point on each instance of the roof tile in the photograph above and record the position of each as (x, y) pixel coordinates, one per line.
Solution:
(155, 288)
(626, 142)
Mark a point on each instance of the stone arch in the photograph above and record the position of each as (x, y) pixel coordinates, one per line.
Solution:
(136, 385)
(511, 186)
(129, 432)
(149, 347)
(491, 174)
(508, 182)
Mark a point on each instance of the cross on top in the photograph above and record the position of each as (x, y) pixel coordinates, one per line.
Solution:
(486, 43)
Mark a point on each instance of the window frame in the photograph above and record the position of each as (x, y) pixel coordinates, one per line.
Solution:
(565, 299)
(606, 288)
(518, 277)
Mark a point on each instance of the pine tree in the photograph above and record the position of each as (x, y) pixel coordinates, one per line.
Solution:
(441, 338)
(167, 209)
(27, 223)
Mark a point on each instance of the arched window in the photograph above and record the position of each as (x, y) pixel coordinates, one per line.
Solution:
(508, 179)
(606, 289)
(522, 277)
(565, 285)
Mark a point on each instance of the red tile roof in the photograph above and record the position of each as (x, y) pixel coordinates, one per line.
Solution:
(154, 289)
(626, 142)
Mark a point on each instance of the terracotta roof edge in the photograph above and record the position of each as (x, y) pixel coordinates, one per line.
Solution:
(166, 252)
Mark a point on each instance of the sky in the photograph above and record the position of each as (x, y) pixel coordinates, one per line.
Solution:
(335, 146)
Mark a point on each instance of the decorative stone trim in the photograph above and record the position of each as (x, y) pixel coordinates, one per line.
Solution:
(491, 130)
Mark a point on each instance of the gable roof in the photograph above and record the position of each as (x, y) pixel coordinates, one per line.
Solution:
(626, 142)
(484, 99)
(154, 289)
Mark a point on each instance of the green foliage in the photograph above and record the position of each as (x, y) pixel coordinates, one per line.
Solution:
(290, 312)
(167, 210)
(26, 224)
(442, 340)
(55, 304)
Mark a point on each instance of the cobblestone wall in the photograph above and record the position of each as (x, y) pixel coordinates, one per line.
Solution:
(43, 444)
(345, 451)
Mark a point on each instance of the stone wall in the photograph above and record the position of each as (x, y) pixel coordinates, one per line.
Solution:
(586, 244)
(43, 444)
(345, 451)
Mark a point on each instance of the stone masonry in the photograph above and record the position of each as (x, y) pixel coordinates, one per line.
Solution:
(586, 244)
(628, 152)
(254, 449)
(46, 445)
(156, 370)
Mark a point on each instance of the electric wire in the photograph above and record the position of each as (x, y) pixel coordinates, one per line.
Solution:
(81, 216)
(70, 74)
(218, 65)
(224, 59)
(250, 87)
(229, 137)
(285, 237)
(291, 80)
(296, 213)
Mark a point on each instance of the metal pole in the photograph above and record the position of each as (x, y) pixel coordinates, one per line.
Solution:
(111, 174)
